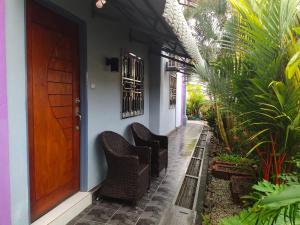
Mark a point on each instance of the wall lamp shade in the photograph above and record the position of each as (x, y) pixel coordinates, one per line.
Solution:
(113, 63)
(100, 3)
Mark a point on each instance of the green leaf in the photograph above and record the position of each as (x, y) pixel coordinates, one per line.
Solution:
(290, 195)
(296, 30)
(258, 133)
(293, 66)
(256, 146)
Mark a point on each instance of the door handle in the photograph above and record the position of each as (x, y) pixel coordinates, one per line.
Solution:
(79, 115)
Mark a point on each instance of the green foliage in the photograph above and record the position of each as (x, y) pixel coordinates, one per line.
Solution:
(273, 204)
(205, 219)
(255, 80)
(235, 158)
(295, 161)
(220, 88)
(267, 89)
(195, 100)
(210, 117)
(277, 114)
(205, 110)
(208, 20)
(255, 84)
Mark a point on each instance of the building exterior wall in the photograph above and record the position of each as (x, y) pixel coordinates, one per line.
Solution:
(167, 114)
(4, 150)
(103, 93)
(163, 118)
(183, 101)
(155, 93)
(179, 96)
(104, 39)
(17, 110)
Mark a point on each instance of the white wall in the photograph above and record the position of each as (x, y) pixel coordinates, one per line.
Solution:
(179, 103)
(167, 115)
(17, 110)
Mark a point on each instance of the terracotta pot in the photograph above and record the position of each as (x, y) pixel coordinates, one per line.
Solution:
(218, 162)
(240, 186)
(223, 171)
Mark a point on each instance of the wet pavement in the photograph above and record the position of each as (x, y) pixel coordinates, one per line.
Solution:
(150, 209)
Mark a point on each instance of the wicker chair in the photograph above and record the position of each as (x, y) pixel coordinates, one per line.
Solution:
(129, 168)
(159, 146)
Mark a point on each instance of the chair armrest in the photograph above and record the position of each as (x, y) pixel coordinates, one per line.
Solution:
(163, 140)
(144, 153)
(154, 145)
(141, 142)
(124, 165)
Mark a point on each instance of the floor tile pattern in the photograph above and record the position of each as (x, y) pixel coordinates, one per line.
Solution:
(150, 208)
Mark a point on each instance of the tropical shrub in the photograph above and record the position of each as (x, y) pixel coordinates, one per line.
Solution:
(208, 19)
(254, 83)
(210, 117)
(256, 80)
(195, 100)
(273, 205)
(267, 90)
(205, 110)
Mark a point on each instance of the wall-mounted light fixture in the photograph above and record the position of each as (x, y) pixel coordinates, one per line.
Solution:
(100, 3)
(113, 63)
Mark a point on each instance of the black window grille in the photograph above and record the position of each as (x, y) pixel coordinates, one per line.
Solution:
(172, 90)
(132, 85)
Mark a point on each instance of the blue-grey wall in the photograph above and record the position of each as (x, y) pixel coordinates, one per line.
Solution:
(104, 39)
(154, 98)
(163, 118)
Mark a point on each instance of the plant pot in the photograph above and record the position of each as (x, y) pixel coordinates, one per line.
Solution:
(240, 186)
(218, 162)
(223, 171)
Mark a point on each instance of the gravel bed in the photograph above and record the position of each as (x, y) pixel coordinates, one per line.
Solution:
(219, 203)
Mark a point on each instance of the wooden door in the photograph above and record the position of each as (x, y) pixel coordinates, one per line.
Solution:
(53, 101)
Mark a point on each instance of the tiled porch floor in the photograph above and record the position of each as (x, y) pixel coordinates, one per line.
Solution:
(150, 208)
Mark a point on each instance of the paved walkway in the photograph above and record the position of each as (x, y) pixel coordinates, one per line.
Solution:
(151, 207)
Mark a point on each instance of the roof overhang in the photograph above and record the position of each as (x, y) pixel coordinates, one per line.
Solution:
(158, 23)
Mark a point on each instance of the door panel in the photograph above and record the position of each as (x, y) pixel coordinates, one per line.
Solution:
(53, 88)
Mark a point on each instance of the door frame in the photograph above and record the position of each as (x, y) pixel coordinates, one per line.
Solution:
(83, 84)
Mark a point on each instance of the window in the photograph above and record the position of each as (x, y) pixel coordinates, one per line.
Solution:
(172, 90)
(132, 85)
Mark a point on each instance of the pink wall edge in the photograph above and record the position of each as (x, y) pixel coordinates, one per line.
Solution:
(5, 216)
